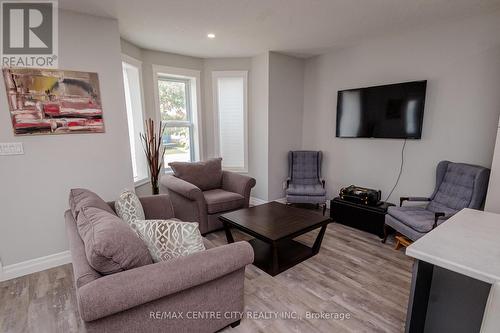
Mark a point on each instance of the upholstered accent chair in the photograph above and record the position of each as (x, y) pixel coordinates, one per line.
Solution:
(458, 186)
(304, 183)
(201, 191)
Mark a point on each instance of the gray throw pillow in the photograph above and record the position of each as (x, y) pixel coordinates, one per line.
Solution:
(129, 208)
(110, 245)
(168, 239)
(80, 198)
(205, 175)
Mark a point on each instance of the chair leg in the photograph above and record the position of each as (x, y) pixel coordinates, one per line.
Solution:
(386, 233)
(324, 209)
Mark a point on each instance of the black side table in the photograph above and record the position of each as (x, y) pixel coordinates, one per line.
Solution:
(360, 216)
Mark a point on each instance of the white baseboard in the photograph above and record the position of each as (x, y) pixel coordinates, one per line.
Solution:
(282, 200)
(256, 201)
(34, 265)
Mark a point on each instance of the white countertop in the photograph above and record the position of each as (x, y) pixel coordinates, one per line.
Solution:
(468, 243)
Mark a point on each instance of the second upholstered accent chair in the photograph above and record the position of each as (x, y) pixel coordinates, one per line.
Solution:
(304, 183)
(458, 186)
(201, 191)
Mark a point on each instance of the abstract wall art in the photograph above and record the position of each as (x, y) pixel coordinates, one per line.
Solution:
(51, 101)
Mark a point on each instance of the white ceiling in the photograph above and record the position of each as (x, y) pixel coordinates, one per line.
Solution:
(250, 27)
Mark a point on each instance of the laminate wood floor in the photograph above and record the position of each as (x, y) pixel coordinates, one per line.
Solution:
(354, 274)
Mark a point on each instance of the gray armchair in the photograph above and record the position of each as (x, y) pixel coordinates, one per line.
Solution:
(458, 186)
(304, 182)
(201, 191)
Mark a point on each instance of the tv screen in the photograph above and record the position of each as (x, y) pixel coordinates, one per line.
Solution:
(388, 111)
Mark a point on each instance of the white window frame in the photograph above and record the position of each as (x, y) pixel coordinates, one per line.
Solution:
(222, 74)
(194, 118)
(138, 64)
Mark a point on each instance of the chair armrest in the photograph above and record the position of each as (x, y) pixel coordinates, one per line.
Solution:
(157, 207)
(436, 218)
(182, 187)
(121, 291)
(234, 182)
(402, 199)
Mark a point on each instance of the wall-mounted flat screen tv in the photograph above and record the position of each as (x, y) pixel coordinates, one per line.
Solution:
(388, 111)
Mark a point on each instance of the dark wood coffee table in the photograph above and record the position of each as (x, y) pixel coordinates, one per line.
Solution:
(274, 225)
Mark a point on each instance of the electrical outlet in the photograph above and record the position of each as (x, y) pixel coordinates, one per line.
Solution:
(11, 148)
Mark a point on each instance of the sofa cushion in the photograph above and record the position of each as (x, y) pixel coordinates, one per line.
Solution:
(110, 245)
(416, 217)
(221, 201)
(80, 198)
(306, 190)
(306, 199)
(129, 208)
(456, 189)
(205, 175)
(305, 166)
(169, 239)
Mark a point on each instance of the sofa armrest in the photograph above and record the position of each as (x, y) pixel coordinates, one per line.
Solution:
(157, 207)
(121, 291)
(234, 182)
(182, 187)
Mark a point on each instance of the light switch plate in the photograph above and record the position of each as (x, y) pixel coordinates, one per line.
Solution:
(11, 148)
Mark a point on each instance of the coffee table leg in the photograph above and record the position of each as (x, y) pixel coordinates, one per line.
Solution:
(319, 239)
(275, 263)
(229, 236)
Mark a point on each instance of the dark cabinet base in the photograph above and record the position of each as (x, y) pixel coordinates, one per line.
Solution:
(444, 301)
(359, 216)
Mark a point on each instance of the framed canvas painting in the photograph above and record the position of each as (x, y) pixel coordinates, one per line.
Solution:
(52, 101)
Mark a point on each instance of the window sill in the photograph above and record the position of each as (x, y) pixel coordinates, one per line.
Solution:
(241, 171)
(140, 182)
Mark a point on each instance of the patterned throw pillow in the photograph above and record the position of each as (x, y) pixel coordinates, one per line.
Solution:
(128, 207)
(168, 239)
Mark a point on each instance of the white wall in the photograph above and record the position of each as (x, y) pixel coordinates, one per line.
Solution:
(35, 186)
(258, 123)
(130, 49)
(460, 60)
(493, 197)
(286, 100)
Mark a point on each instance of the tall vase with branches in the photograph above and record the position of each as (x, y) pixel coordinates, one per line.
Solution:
(155, 152)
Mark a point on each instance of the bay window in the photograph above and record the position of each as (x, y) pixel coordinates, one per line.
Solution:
(176, 93)
(132, 81)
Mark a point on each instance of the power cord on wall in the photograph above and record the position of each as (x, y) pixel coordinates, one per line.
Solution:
(400, 170)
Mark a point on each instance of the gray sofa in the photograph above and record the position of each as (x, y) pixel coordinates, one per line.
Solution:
(201, 191)
(140, 299)
(458, 186)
